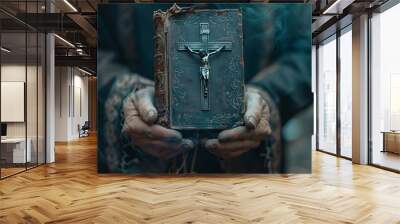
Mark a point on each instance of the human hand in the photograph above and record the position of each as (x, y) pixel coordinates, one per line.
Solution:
(140, 115)
(236, 141)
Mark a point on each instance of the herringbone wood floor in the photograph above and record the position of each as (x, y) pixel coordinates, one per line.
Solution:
(71, 191)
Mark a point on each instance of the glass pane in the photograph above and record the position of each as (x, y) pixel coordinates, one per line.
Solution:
(313, 87)
(31, 97)
(346, 94)
(13, 88)
(385, 86)
(31, 86)
(41, 98)
(327, 96)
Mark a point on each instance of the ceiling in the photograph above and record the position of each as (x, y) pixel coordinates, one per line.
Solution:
(75, 21)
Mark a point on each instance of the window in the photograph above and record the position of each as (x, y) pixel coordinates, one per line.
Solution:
(385, 89)
(327, 96)
(346, 92)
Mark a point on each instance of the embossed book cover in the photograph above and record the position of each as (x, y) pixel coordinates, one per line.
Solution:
(199, 68)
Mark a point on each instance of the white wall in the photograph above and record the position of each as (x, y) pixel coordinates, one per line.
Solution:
(71, 94)
(62, 81)
(80, 103)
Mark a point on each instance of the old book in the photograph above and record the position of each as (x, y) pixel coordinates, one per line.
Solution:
(199, 68)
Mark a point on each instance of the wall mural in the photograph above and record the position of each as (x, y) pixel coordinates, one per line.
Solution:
(204, 88)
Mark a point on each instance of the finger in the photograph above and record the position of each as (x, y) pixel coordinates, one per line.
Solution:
(131, 116)
(129, 107)
(211, 145)
(139, 129)
(228, 150)
(243, 133)
(214, 144)
(235, 134)
(255, 105)
(165, 134)
(264, 126)
(265, 112)
(263, 129)
(144, 102)
(135, 126)
(132, 124)
(184, 144)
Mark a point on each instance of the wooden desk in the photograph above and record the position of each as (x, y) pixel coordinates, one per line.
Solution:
(391, 141)
(13, 150)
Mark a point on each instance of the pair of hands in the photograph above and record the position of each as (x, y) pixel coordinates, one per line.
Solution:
(141, 115)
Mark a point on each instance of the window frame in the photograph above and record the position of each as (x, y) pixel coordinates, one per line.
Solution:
(334, 37)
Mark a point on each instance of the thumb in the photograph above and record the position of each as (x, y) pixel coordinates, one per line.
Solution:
(144, 101)
(255, 105)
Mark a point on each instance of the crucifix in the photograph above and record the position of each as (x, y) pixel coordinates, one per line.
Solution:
(204, 50)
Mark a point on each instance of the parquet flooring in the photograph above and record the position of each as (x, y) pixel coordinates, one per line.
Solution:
(71, 191)
(10, 171)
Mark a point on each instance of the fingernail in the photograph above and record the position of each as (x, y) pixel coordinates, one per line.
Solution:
(250, 122)
(151, 114)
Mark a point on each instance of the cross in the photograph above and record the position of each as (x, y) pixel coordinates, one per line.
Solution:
(204, 49)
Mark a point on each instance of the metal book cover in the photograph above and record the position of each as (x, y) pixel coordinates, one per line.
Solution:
(199, 68)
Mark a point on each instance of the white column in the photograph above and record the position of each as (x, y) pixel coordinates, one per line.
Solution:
(50, 93)
(360, 90)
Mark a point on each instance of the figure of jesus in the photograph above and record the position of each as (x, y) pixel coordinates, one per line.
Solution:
(205, 67)
(204, 55)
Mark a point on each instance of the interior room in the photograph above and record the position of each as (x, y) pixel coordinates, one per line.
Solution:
(22, 102)
(51, 117)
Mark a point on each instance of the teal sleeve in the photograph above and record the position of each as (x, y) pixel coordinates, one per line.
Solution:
(287, 79)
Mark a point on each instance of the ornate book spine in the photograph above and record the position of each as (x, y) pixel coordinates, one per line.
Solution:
(160, 67)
